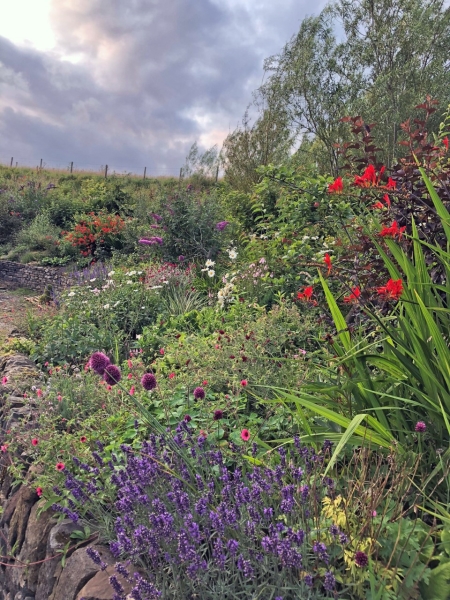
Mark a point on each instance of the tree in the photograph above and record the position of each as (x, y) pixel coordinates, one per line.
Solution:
(266, 141)
(316, 82)
(403, 51)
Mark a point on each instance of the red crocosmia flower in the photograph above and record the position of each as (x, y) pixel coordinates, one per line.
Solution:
(327, 261)
(337, 186)
(39, 491)
(378, 205)
(35, 441)
(83, 439)
(60, 466)
(244, 383)
(382, 170)
(387, 200)
(392, 290)
(391, 185)
(368, 178)
(394, 231)
(354, 296)
(306, 294)
(245, 435)
(445, 142)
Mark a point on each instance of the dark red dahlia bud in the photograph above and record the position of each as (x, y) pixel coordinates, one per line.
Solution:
(148, 381)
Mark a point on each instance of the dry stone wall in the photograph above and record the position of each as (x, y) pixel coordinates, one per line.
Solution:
(29, 276)
(31, 539)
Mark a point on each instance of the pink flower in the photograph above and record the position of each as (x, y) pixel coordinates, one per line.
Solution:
(4, 380)
(60, 466)
(204, 383)
(244, 383)
(59, 397)
(161, 351)
(39, 491)
(171, 375)
(374, 513)
(245, 435)
(130, 376)
(132, 390)
(83, 439)
(39, 393)
(35, 441)
(4, 448)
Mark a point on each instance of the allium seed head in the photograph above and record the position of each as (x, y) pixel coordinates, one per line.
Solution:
(199, 393)
(148, 381)
(98, 362)
(218, 414)
(112, 375)
(361, 559)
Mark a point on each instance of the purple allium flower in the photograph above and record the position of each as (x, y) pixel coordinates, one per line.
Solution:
(199, 393)
(329, 582)
(180, 258)
(98, 362)
(148, 381)
(218, 414)
(221, 225)
(112, 375)
(420, 427)
(361, 559)
(187, 418)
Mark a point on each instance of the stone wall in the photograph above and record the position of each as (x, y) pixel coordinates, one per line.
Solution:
(31, 539)
(34, 278)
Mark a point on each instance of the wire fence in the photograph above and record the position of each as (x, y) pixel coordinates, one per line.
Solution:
(103, 169)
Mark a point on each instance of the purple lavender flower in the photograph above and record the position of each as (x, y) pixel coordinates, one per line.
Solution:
(112, 375)
(329, 582)
(148, 381)
(98, 362)
(95, 556)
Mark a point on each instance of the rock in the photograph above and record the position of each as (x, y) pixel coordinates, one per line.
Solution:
(33, 549)
(26, 498)
(99, 588)
(79, 569)
(59, 536)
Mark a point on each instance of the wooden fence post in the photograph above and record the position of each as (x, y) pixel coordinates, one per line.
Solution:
(106, 171)
(71, 167)
(145, 171)
(12, 158)
(40, 166)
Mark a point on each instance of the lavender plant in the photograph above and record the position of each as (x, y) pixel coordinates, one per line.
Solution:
(219, 529)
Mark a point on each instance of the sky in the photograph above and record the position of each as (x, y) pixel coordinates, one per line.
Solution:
(132, 83)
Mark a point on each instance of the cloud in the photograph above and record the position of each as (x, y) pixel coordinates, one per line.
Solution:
(135, 83)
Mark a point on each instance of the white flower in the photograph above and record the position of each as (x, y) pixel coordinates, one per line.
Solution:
(165, 281)
(71, 294)
(232, 253)
(138, 337)
(155, 287)
(116, 303)
(92, 280)
(211, 273)
(209, 263)
(129, 281)
(139, 272)
(96, 291)
(106, 306)
(111, 273)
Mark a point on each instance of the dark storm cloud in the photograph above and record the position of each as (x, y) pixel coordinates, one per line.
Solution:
(152, 76)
